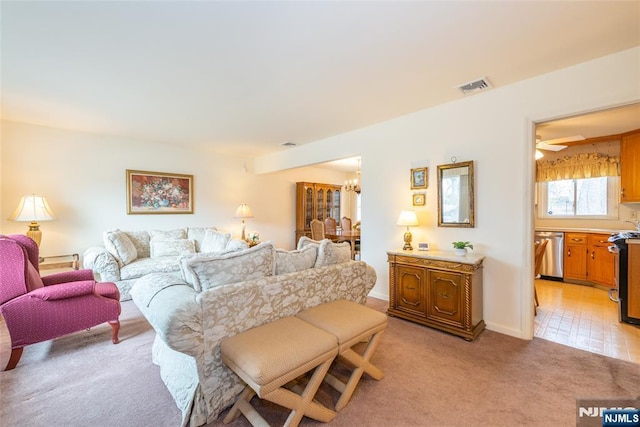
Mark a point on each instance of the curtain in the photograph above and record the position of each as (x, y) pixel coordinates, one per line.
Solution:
(586, 165)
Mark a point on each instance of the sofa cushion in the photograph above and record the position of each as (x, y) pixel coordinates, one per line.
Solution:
(172, 247)
(144, 266)
(206, 271)
(120, 246)
(197, 235)
(214, 241)
(305, 241)
(140, 240)
(298, 260)
(332, 253)
(178, 233)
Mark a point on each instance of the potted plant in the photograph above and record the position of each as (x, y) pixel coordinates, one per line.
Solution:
(460, 248)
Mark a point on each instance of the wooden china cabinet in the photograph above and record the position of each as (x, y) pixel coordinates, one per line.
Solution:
(437, 289)
(315, 201)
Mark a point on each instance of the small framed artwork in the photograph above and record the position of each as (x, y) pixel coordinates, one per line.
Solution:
(418, 178)
(159, 193)
(419, 199)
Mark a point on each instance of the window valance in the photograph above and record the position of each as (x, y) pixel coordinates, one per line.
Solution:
(586, 165)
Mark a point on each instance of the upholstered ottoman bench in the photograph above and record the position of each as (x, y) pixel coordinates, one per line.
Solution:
(269, 356)
(351, 324)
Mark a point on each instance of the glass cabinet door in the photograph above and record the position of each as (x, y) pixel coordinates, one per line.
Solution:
(308, 206)
(329, 205)
(336, 205)
(320, 204)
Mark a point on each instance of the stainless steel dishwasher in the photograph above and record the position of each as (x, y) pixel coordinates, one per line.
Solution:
(553, 256)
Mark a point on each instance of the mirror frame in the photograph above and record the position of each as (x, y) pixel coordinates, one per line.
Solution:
(472, 216)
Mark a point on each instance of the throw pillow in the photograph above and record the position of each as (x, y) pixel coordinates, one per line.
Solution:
(172, 247)
(120, 246)
(34, 281)
(197, 235)
(178, 233)
(293, 261)
(330, 253)
(214, 241)
(203, 271)
(236, 245)
(305, 241)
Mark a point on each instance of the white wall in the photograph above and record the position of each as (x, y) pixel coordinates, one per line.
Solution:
(496, 130)
(83, 177)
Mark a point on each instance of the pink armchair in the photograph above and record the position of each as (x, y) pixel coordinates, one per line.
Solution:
(38, 308)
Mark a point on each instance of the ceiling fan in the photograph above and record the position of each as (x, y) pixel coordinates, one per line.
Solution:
(555, 144)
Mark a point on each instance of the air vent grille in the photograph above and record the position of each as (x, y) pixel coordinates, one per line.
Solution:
(475, 86)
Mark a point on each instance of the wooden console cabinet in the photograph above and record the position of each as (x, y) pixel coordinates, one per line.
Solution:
(437, 289)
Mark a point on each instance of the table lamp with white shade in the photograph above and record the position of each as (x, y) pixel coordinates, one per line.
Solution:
(408, 219)
(33, 208)
(243, 212)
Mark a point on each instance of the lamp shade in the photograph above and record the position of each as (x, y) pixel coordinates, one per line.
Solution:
(32, 208)
(243, 211)
(408, 219)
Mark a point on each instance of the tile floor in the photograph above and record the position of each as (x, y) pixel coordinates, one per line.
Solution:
(583, 317)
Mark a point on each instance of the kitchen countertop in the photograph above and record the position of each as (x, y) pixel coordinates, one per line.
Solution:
(582, 230)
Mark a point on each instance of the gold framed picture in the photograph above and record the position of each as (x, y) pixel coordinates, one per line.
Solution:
(418, 178)
(419, 199)
(159, 193)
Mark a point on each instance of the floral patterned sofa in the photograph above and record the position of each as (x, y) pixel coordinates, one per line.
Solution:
(126, 256)
(223, 295)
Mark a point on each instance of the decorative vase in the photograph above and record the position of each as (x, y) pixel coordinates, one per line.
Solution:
(460, 252)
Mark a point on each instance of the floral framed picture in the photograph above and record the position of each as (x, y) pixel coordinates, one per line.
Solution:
(159, 193)
(418, 178)
(419, 199)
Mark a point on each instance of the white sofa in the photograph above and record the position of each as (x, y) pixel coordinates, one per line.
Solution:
(126, 256)
(192, 316)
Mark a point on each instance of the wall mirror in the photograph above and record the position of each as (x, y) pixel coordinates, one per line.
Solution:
(455, 195)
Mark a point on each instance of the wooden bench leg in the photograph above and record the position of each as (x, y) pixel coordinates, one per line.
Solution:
(303, 405)
(362, 365)
(242, 406)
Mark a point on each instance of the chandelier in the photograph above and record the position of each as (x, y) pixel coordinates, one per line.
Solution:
(353, 184)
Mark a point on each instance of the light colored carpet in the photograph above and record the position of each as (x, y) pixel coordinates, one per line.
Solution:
(431, 378)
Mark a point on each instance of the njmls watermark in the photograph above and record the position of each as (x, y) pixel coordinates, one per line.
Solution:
(608, 412)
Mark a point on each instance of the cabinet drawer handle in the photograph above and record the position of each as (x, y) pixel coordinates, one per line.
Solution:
(411, 288)
(593, 254)
(568, 252)
(576, 240)
(443, 295)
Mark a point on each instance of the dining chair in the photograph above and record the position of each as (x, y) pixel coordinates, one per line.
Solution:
(539, 250)
(317, 229)
(345, 223)
(330, 226)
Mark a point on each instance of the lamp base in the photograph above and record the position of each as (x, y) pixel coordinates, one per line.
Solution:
(34, 232)
(407, 241)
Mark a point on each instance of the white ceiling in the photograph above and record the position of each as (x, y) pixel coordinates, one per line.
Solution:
(243, 77)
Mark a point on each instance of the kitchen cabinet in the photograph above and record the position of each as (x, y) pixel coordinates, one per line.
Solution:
(437, 289)
(587, 258)
(600, 262)
(575, 256)
(630, 168)
(633, 280)
(315, 201)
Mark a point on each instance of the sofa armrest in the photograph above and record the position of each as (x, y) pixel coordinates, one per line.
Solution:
(64, 291)
(67, 276)
(169, 305)
(98, 259)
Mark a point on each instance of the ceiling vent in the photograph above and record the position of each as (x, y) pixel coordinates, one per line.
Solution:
(288, 144)
(475, 86)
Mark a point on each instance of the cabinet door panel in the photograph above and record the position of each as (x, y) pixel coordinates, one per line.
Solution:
(575, 262)
(446, 297)
(630, 168)
(410, 291)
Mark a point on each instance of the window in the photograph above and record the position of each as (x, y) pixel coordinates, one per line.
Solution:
(579, 198)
